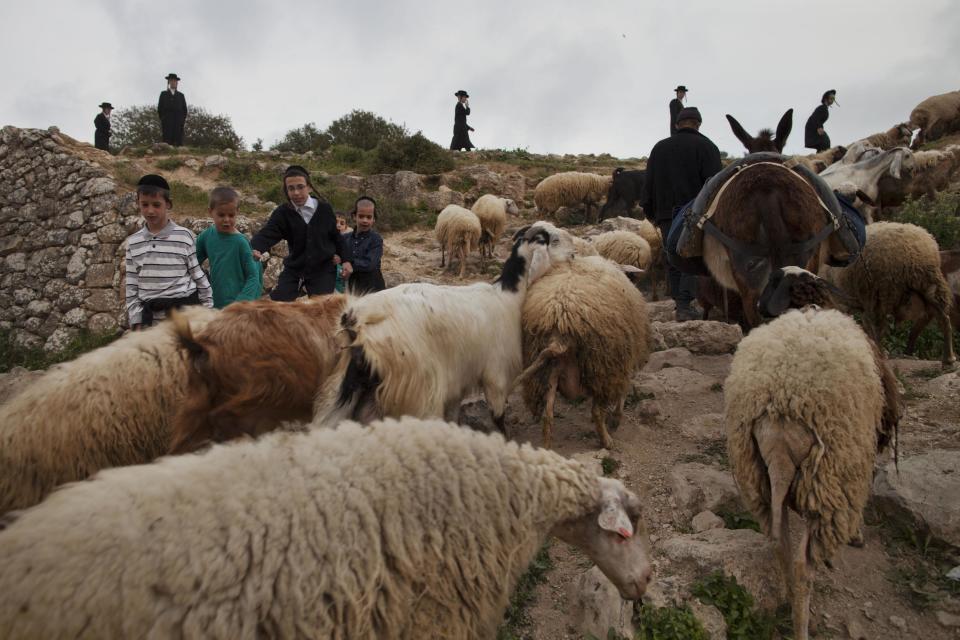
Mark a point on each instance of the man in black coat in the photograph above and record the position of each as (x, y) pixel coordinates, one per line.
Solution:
(675, 106)
(814, 136)
(678, 168)
(172, 108)
(309, 226)
(461, 131)
(101, 138)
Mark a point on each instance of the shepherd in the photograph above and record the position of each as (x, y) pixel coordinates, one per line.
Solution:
(172, 108)
(814, 135)
(461, 130)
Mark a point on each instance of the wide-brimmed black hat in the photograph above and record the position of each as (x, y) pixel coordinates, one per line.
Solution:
(106, 105)
(172, 76)
(680, 87)
(153, 180)
(831, 92)
(463, 93)
(689, 113)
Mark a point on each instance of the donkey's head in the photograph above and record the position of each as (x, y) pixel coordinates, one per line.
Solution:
(765, 140)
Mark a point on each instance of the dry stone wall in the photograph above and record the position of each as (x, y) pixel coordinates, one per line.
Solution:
(62, 225)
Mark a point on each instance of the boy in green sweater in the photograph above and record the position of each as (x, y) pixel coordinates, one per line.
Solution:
(234, 274)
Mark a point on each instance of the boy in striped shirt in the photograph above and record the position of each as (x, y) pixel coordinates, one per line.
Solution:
(162, 270)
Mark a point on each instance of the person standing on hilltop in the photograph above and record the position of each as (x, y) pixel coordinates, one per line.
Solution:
(172, 108)
(461, 131)
(101, 138)
(675, 106)
(814, 135)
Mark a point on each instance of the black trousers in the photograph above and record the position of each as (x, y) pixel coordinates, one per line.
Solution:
(290, 284)
(682, 286)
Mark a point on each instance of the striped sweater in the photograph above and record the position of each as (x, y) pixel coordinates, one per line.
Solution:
(163, 265)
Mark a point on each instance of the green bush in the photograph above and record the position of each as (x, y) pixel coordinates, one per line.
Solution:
(303, 139)
(669, 623)
(737, 606)
(169, 164)
(940, 216)
(12, 356)
(364, 130)
(415, 153)
(140, 126)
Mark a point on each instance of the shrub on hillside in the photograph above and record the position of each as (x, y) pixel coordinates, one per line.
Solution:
(940, 216)
(303, 139)
(413, 153)
(140, 126)
(364, 130)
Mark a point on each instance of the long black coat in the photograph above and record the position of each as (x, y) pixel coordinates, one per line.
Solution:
(311, 246)
(812, 139)
(101, 138)
(173, 114)
(678, 168)
(675, 107)
(461, 132)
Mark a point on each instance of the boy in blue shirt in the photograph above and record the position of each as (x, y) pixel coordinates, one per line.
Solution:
(367, 248)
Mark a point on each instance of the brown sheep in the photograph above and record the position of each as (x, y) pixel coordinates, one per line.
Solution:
(936, 117)
(259, 364)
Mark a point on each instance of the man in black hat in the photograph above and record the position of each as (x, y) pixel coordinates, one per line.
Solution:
(678, 168)
(101, 138)
(172, 108)
(675, 106)
(814, 136)
(461, 131)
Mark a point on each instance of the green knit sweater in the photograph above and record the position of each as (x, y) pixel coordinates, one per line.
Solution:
(234, 274)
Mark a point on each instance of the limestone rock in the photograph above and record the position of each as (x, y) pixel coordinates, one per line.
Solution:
(76, 266)
(706, 426)
(598, 607)
(59, 339)
(75, 317)
(16, 262)
(697, 487)
(215, 161)
(710, 618)
(102, 323)
(706, 520)
(101, 275)
(437, 200)
(675, 357)
(662, 310)
(698, 336)
(102, 300)
(948, 620)
(926, 492)
(98, 187)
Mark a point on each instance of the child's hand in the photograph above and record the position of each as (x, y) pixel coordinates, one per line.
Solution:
(347, 269)
(256, 255)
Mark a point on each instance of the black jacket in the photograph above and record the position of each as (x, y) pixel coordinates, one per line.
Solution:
(675, 107)
(812, 139)
(173, 114)
(461, 131)
(312, 246)
(101, 139)
(677, 169)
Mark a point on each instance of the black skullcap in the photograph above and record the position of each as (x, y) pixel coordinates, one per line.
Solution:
(153, 180)
(689, 113)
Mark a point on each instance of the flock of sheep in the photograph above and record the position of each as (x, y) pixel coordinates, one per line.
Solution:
(346, 508)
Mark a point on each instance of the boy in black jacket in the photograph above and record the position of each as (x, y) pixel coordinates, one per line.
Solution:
(309, 226)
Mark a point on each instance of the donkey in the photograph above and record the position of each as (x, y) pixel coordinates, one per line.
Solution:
(765, 217)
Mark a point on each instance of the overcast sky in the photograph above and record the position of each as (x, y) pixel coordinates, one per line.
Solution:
(549, 76)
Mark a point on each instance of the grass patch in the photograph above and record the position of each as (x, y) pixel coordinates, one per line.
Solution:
(929, 342)
(170, 164)
(36, 358)
(712, 452)
(928, 374)
(609, 465)
(739, 520)
(189, 200)
(717, 387)
(516, 616)
(463, 184)
(668, 623)
(636, 397)
(744, 620)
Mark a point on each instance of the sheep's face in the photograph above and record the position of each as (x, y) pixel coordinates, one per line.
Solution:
(614, 537)
(535, 249)
(793, 288)
(512, 207)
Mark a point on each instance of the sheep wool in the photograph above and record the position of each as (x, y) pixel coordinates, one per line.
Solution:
(583, 247)
(110, 407)
(458, 232)
(624, 247)
(936, 116)
(492, 212)
(815, 368)
(570, 189)
(397, 530)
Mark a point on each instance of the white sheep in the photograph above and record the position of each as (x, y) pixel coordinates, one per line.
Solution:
(110, 407)
(492, 211)
(936, 117)
(817, 162)
(585, 332)
(570, 189)
(583, 247)
(418, 349)
(898, 274)
(458, 231)
(809, 404)
(405, 529)
(897, 136)
(624, 247)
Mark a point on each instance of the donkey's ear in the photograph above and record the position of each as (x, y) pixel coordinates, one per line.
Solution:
(741, 133)
(783, 130)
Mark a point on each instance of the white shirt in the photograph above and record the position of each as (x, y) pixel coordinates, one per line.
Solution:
(308, 209)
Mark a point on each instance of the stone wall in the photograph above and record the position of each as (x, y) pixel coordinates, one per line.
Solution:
(62, 224)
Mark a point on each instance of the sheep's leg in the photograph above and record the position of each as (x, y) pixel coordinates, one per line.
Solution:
(496, 395)
(803, 577)
(552, 382)
(616, 417)
(462, 253)
(552, 350)
(599, 414)
(943, 319)
(443, 255)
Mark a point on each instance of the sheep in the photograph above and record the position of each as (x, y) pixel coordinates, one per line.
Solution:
(255, 366)
(110, 407)
(625, 191)
(585, 332)
(818, 162)
(809, 405)
(646, 230)
(583, 247)
(492, 212)
(932, 171)
(458, 231)
(898, 273)
(936, 117)
(408, 529)
(897, 136)
(624, 247)
(418, 349)
(569, 189)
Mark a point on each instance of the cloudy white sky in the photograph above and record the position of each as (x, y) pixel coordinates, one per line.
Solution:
(549, 76)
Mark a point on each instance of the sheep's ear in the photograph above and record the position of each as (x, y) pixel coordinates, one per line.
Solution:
(629, 268)
(614, 518)
(783, 129)
(741, 133)
(897, 164)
